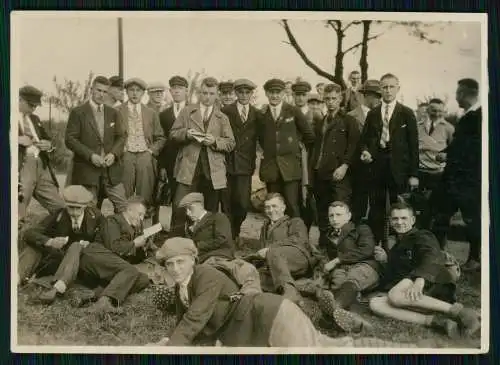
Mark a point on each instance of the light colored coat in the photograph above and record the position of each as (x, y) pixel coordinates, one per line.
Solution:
(189, 152)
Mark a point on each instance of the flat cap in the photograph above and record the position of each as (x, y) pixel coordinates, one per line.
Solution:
(31, 94)
(190, 199)
(77, 195)
(371, 86)
(178, 81)
(156, 86)
(226, 86)
(274, 84)
(176, 246)
(136, 81)
(116, 81)
(315, 97)
(244, 83)
(301, 87)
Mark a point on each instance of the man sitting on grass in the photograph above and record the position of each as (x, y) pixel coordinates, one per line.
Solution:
(55, 244)
(416, 279)
(352, 267)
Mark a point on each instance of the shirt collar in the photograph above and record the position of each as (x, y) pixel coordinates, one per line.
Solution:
(365, 109)
(277, 108)
(181, 104)
(203, 107)
(131, 106)
(304, 109)
(93, 104)
(79, 220)
(474, 107)
(392, 104)
(240, 107)
(185, 283)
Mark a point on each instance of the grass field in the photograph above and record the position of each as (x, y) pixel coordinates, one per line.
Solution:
(60, 324)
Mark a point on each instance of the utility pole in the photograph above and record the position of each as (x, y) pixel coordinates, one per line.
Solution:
(120, 47)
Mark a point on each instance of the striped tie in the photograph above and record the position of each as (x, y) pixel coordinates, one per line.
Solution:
(385, 128)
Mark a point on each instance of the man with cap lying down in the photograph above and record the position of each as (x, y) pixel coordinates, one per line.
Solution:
(54, 245)
(211, 233)
(209, 308)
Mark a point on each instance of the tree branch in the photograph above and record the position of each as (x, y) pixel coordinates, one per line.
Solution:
(332, 24)
(353, 47)
(350, 24)
(299, 50)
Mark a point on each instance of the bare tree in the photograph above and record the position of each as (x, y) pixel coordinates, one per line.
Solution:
(69, 94)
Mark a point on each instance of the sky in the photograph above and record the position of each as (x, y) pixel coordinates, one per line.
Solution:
(69, 45)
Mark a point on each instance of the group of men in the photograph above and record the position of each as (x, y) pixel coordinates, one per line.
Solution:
(352, 151)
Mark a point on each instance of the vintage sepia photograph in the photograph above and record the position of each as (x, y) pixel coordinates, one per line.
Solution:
(249, 182)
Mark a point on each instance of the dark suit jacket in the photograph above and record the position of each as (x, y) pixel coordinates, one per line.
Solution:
(212, 236)
(59, 224)
(44, 155)
(403, 141)
(241, 161)
(211, 316)
(415, 254)
(280, 143)
(84, 139)
(341, 138)
(286, 232)
(355, 245)
(153, 133)
(463, 166)
(168, 154)
(118, 236)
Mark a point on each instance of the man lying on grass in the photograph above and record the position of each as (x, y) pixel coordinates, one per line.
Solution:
(209, 307)
(352, 268)
(417, 280)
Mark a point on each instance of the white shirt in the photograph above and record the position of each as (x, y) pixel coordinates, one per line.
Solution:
(240, 109)
(31, 150)
(183, 292)
(203, 108)
(365, 109)
(78, 221)
(304, 109)
(94, 105)
(276, 110)
(392, 105)
(178, 107)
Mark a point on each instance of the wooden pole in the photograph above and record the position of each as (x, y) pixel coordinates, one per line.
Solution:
(120, 47)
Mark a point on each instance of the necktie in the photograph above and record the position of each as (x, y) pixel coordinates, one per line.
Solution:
(176, 108)
(76, 227)
(135, 112)
(385, 128)
(275, 113)
(336, 232)
(206, 118)
(99, 108)
(431, 127)
(244, 113)
(183, 294)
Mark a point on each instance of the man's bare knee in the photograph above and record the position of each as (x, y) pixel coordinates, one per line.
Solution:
(396, 298)
(377, 304)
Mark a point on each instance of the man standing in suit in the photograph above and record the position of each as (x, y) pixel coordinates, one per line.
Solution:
(337, 137)
(461, 182)
(352, 97)
(360, 172)
(145, 139)
(390, 144)
(166, 159)
(156, 93)
(241, 161)
(206, 137)
(115, 95)
(281, 129)
(36, 176)
(96, 134)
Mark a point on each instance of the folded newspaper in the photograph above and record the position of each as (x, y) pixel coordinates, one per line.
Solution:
(199, 136)
(148, 232)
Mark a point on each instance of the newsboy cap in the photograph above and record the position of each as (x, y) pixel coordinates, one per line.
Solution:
(177, 81)
(244, 83)
(226, 86)
(77, 196)
(190, 199)
(176, 246)
(301, 87)
(136, 81)
(116, 81)
(31, 94)
(371, 86)
(274, 84)
(156, 86)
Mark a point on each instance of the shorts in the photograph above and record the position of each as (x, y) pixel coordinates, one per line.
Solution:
(361, 274)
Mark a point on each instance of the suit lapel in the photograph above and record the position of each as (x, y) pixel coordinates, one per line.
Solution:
(198, 225)
(394, 121)
(197, 118)
(91, 119)
(344, 232)
(271, 227)
(128, 228)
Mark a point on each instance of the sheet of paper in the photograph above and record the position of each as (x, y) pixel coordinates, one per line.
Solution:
(148, 232)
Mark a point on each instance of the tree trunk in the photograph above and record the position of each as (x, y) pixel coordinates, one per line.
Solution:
(339, 58)
(363, 60)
